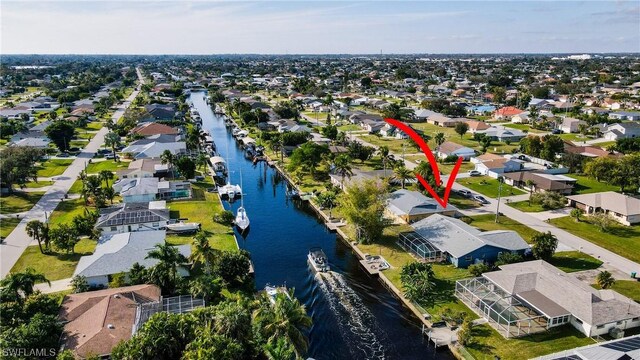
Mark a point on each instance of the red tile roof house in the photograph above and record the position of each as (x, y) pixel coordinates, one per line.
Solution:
(96, 321)
(152, 128)
(449, 148)
(506, 113)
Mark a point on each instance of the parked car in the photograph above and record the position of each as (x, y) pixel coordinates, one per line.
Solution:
(480, 199)
(556, 131)
(111, 157)
(474, 173)
(63, 154)
(465, 193)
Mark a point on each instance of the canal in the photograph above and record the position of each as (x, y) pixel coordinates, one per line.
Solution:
(354, 316)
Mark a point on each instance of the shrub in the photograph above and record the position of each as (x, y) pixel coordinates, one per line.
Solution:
(224, 217)
(478, 269)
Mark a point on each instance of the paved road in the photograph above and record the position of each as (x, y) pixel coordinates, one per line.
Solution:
(567, 241)
(18, 240)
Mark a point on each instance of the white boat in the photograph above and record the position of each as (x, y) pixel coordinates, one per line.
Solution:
(182, 227)
(318, 259)
(230, 191)
(273, 291)
(242, 219)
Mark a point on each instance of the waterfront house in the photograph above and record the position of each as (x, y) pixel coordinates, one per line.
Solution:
(96, 321)
(154, 128)
(410, 206)
(143, 168)
(154, 146)
(130, 217)
(439, 237)
(623, 208)
(534, 296)
(449, 148)
(117, 253)
(137, 189)
(161, 112)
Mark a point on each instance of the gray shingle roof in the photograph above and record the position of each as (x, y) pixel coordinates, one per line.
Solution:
(459, 239)
(119, 252)
(132, 213)
(407, 202)
(594, 307)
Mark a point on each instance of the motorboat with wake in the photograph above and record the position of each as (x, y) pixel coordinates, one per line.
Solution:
(318, 259)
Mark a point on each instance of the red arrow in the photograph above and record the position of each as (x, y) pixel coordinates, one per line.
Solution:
(432, 160)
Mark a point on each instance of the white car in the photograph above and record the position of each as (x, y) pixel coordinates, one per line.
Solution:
(474, 173)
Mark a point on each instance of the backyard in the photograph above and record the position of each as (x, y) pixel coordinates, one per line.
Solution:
(54, 266)
(622, 240)
(488, 186)
(97, 166)
(587, 185)
(572, 261)
(487, 223)
(7, 225)
(628, 288)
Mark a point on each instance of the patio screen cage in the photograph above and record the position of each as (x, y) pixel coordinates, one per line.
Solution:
(420, 247)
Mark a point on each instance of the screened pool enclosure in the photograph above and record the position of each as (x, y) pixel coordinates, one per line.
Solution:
(420, 247)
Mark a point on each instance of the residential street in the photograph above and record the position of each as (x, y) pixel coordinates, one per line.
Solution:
(18, 240)
(567, 241)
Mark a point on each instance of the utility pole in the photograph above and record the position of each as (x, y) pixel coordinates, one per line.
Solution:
(500, 181)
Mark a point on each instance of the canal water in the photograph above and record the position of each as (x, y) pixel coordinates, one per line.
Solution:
(354, 316)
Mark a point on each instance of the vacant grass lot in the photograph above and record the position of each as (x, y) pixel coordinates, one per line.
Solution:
(7, 225)
(97, 166)
(487, 223)
(488, 186)
(18, 201)
(94, 125)
(622, 240)
(67, 210)
(571, 261)
(586, 185)
(54, 266)
(202, 211)
(53, 167)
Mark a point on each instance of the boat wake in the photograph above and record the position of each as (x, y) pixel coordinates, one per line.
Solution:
(357, 324)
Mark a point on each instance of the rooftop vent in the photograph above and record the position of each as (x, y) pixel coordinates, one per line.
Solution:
(110, 326)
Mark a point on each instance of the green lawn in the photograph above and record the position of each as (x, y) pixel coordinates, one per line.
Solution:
(53, 167)
(488, 186)
(7, 225)
(628, 288)
(94, 125)
(523, 127)
(85, 135)
(67, 210)
(571, 261)
(622, 240)
(39, 184)
(76, 188)
(487, 223)
(54, 266)
(350, 127)
(487, 343)
(202, 211)
(97, 166)
(577, 138)
(462, 202)
(18, 201)
(526, 207)
(586, 185)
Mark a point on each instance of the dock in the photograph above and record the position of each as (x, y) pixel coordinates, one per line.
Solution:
(374, 264)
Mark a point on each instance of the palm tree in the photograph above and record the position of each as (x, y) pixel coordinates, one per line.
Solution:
(439, 138)
(105, 175)
(112, 140)
(22, 283)
(531, 185)
(201, 161)
(167, 158)
(605, 280)
(287, 318)
(202, 251)
(94, 187)
(342, 167)
(35, 231)
(425, 170)
(402, 174)
(83, 178)
(280, 349)
(384, 156)
(169, 259)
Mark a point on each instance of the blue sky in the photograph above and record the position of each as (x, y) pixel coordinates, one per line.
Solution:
(307, 27)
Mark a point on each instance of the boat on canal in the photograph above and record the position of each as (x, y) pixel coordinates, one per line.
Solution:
(242, 219)
(318, 259)
(273, 291)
